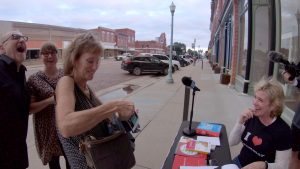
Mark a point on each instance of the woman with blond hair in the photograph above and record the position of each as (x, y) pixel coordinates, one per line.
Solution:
(265, 136)
(78, 111)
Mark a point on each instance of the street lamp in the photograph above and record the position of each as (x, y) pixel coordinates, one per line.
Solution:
(169, 77)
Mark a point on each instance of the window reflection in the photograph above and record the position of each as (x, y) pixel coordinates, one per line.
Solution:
(260, 60)
(290, 39)
(243, 44)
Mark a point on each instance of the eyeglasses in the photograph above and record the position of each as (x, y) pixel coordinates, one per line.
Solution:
(16, 37)
(49, 54)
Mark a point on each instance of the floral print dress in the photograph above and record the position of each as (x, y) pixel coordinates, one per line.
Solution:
(46, 139)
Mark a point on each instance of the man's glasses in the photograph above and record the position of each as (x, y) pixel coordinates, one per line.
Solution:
(49, 54)
(16, 37)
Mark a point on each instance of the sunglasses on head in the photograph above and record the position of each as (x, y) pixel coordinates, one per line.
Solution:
(16, 37)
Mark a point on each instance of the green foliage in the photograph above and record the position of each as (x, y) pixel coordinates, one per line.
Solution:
(194, 53)
(190, 52)
(180, 48)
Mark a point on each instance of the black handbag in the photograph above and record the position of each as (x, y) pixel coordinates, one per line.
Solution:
(112, 152)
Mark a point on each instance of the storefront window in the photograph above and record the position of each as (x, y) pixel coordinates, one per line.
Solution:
(260, 60)
(228, 44)
(290, 40)
(243, 42)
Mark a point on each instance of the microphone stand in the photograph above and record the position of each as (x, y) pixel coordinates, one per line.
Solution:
(189, 131)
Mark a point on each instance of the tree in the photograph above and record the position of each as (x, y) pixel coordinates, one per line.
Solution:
(190, 52)
(180, 48)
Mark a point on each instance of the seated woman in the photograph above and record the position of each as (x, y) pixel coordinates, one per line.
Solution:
(265, 136)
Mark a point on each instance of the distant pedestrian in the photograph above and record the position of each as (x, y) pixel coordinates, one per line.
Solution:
(14, 102)
(42, 88)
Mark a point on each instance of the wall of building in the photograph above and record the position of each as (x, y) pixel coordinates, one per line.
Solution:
(157, 46)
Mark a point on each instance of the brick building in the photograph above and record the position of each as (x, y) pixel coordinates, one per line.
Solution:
(108, 40)
(40, 33)
(153, 46)
(114, 41)
(125, 40)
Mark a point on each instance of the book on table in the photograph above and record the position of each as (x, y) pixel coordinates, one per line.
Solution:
(208, 129)
(187, 161)
(181, 149)
(184, 157)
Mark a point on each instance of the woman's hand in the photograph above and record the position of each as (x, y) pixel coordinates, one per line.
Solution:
(51, 100)
(125, 109)
(247, 114)
(286, 77)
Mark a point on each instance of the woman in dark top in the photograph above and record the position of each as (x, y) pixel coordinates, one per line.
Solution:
(78, 111)
(265, 136)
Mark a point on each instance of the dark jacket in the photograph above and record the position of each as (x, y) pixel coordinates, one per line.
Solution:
(14, 108)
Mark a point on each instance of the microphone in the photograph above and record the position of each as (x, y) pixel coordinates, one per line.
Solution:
(187, 81)
(291, 68)
(277, 57)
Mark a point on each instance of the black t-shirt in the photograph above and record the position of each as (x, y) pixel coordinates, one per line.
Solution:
(261, 142)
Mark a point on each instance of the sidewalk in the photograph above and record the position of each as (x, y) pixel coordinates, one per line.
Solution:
(161, 109)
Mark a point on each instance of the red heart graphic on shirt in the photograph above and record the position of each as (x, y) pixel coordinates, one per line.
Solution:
(256, 141)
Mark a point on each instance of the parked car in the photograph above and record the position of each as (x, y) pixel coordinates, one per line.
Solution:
(181, 61)
(123, 56)
(145, 64)
(188, 58)
(164, 59)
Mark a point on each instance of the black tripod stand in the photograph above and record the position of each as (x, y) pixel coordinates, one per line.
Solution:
(188, 131)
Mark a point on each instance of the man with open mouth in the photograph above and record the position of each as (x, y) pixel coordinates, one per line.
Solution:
(14, 101)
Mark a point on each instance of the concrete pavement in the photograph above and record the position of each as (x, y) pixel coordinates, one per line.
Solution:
(161, 108)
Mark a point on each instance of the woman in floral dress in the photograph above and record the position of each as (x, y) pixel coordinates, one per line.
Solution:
(42, 89)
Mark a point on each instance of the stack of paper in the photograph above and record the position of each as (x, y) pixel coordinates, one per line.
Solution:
(214, 141)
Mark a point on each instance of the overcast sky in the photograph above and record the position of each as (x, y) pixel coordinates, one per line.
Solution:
(149, 18)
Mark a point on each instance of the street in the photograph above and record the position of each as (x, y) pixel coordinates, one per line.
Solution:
(108, 74)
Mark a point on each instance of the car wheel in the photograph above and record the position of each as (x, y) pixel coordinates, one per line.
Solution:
(137, 71)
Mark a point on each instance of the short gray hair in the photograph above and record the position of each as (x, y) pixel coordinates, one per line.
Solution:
(275, 93)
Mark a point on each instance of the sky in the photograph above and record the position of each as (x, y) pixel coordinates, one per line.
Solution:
(149, 18)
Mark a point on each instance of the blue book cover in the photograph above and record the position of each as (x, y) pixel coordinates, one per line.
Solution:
(209, 129)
